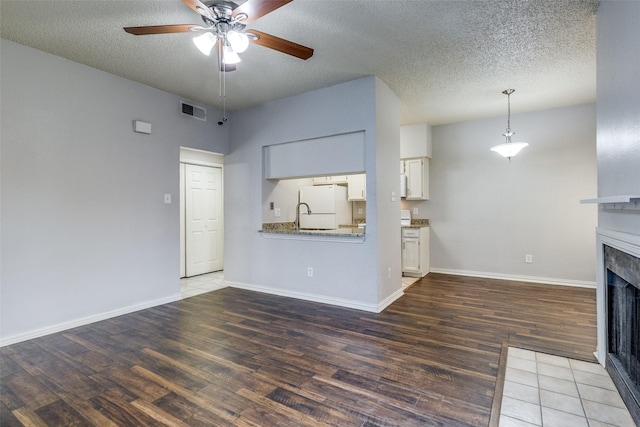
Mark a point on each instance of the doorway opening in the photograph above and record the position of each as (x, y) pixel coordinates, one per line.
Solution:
(201, 212)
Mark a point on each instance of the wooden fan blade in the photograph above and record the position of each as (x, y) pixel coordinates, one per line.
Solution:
(281, 45)
(161, 29)
(199, 7)
(258, 8)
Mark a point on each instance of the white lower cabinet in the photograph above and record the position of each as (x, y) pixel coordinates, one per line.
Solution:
(415, 251)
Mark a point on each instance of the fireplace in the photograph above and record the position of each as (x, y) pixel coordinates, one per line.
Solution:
(621, 277)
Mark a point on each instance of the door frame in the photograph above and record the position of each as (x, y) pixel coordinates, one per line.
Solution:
(197, 157)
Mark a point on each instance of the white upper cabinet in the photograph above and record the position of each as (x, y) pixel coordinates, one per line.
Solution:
(324, 180)
(417, 171)
(357, 187)
(415, 141)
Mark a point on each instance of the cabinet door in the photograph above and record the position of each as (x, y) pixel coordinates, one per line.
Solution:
(321, 180)
(417, 171)
(357, 187)
(411, 255)
(338, 179)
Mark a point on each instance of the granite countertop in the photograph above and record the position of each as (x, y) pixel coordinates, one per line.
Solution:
(417, 223)
(289, 228)
(342, 232)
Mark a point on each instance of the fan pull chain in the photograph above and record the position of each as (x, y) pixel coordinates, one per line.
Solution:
(222, 92)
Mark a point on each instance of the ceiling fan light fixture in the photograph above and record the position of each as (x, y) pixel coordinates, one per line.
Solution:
(229, 56)
(239, 41)
(509, 149)
(205, 42)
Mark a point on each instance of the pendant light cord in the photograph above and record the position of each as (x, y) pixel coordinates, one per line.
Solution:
(508, 92)
(509, 113)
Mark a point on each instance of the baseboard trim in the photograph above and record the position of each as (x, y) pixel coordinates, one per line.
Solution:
(389, 300)
(36, 333)
(305, 296)
(517, 278)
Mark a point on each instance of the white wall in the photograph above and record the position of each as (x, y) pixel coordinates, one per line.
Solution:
(344, 273)
(486, 214)
(85, 232)
(618, 108)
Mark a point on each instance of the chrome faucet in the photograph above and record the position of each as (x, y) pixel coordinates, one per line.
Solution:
(298, 214)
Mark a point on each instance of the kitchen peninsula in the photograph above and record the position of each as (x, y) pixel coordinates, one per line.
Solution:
(288, 228)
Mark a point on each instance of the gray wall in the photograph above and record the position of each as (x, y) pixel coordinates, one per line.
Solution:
(85, 232)
(384, 209)
(618, 110)
(486, 214)
(344, 273)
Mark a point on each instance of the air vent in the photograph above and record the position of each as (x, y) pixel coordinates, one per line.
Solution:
(194, 111)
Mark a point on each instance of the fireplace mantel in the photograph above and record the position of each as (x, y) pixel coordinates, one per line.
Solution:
(615, 202)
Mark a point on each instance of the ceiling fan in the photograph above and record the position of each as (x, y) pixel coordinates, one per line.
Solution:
(226, 22)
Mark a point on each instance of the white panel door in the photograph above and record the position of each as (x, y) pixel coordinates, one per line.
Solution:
(203, 217)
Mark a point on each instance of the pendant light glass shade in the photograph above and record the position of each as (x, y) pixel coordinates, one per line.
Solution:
(205, 42)
(509, 149)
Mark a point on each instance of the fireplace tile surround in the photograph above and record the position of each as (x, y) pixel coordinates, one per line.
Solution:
(618, 258)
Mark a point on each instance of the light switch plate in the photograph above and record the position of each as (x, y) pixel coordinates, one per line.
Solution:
(276, 212)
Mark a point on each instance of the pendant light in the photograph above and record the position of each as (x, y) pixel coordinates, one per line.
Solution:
(509, 149)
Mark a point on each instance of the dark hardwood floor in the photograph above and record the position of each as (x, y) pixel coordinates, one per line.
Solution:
(234, 357)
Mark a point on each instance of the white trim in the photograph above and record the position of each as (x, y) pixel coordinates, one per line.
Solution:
(629, 243)
(86, 320)
(340, 302)
(517, 277)
(193, 156)
(389, 300)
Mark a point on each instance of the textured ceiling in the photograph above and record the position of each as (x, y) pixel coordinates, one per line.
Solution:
(448, 61)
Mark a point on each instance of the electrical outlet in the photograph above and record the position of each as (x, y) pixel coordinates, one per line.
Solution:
(415, 211)
(528, 259)
(270, 205)
(309, 271)
(167, 198)
(360, 211)
(276, 212)
(389, 273)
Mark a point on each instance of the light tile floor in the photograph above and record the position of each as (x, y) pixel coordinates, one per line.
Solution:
(201, 284)
(552, 391)
(408, 281)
